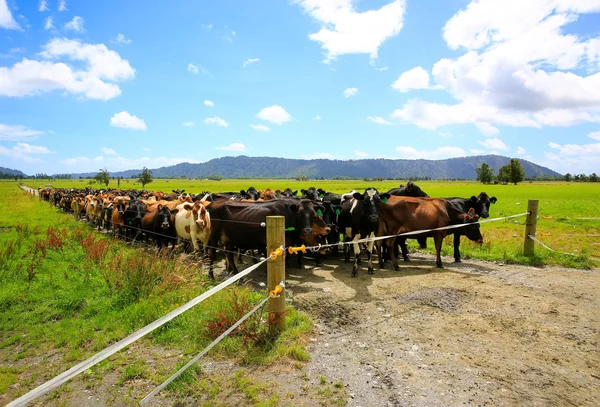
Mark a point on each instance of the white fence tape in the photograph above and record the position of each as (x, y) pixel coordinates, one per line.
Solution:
(549, 248)
(147, 399)
(100, 356)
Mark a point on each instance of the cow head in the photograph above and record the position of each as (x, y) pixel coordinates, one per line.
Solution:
(199, 213)
(308, 221)
(250, 193)
(481, 204)
(473, 232)
(164, 216)
(311, 193)
(288, 193)
(370, 200)
(331, 215)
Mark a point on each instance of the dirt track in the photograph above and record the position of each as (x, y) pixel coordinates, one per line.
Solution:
(475, 333)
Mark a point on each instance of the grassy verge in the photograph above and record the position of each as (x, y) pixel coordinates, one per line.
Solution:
(67, 292)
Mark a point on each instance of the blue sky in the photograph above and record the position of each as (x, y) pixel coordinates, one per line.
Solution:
(124, 84)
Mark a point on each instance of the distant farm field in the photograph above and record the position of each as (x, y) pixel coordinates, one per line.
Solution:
(568, 205)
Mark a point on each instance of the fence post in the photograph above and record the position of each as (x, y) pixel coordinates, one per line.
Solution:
(276, 268)
(530, 226)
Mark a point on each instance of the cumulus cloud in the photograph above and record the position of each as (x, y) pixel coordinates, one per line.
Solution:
(250, 61)
(416, 78)
(43, 5)
(346, 31)
(378, 120)
(120, 39)
(487, 129)
(96, 69)
(49, 23)
(216, 120)
(274, 114)
(493, 144)
(76, 24)
(125, 120)
(261, 127)
(188, 124)
(209, 103)
(594, 135)
(108, 151)
(440, 153)
(360, 154)
(520, 72)
(350, 92)
(233, 147)
(317, 117)
(17, 132)
(24, 152)
(521, 151)
(6, 19)
(573, 158)
(62, 5)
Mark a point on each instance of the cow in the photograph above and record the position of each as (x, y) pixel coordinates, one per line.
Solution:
(311, 193)
(160, 226)
(359, 217)
(251, 193)
(288, 193)
(133, 217)
(331, 216)
(407, 214)
(411, 189)
(238, 224)
(117, 220)
(192, 222)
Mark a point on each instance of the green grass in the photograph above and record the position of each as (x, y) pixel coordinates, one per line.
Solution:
(565, 202)
(67, 290)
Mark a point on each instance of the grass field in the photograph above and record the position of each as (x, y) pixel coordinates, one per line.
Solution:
(67, 292)
(565, 203)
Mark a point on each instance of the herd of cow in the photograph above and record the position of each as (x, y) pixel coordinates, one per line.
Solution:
(235, 221)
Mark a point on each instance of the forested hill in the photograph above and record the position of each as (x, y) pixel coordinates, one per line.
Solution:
(10, 171)
(273, 167)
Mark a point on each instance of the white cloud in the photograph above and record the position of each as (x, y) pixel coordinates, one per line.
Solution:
(518, 69)
(493, 144)
(233, 147)
(576, 149)
(23, 152)
(76, 24)
(521, 151)
(346, 31)
(120, 39)
(108, 151)
(43, 5)
(416, 78)
(188, 124)
(440, 153)
(122, 163)
(31, 77)
(17, 132)
(594, 135)
(319, 156)
(6, 19)
(317, 117)
(274, 114)
(49, 23)
(487, 129)
(383, 68)
(62, 5)
(573, 158)
(250, 61)
(261, 127)
(477, 151)
(125, 120)
(206, 26)
(350, 92)
(193, 69)
(378, 120)
(361, 154)
(209, 103)
(216, 120)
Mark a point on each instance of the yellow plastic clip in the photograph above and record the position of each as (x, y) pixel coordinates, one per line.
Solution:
(292, 250)
(544, 234)
(275, 292)
(547, 217)
(278, 252)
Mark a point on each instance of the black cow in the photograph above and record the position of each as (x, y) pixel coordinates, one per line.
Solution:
(411, 189)
(359, 217)
(311, 193)
(133, 217)
(288, 193)
(238, 224)
(331, 217)
(250, 193)
(160, 226)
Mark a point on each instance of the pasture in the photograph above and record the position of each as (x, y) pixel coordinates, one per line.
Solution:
(566, 203)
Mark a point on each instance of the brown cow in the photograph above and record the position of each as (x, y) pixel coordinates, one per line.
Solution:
(407, 214)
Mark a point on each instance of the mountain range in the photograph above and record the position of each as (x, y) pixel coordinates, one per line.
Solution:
(273, 167)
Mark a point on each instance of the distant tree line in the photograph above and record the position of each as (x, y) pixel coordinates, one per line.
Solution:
(512, 172)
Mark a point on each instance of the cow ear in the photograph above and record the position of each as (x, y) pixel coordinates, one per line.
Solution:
(295, 193)
(159, 208)
(182, 191)
(174, 191)
(243, 192)
(493, 200)
(303, 191)
(187, 207)
(384, 197)
(357, 196)
(474, 198)
(293, 207)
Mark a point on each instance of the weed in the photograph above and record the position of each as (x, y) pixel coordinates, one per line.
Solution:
(136, 370)
(322, 380)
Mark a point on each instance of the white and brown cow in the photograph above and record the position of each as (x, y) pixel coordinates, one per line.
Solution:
(192, 222)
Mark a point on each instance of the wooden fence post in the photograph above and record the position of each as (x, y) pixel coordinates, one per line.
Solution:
(276, 268)
(530, 227)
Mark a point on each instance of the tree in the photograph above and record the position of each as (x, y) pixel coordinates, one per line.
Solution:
(145, 177)
(103, 176)
(485, 174)
(593, 177)
(568, 177)
(504, 174)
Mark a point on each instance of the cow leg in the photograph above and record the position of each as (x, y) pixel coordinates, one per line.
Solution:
(239, 257)
(381, 245)
(194, 241)
(422, 242)
(356, 255)
(370, 245)
(456, 247)
(438, 239)
(228, 252)
(347, 238)
(299, 261)
(211, 257)
(404, 249)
